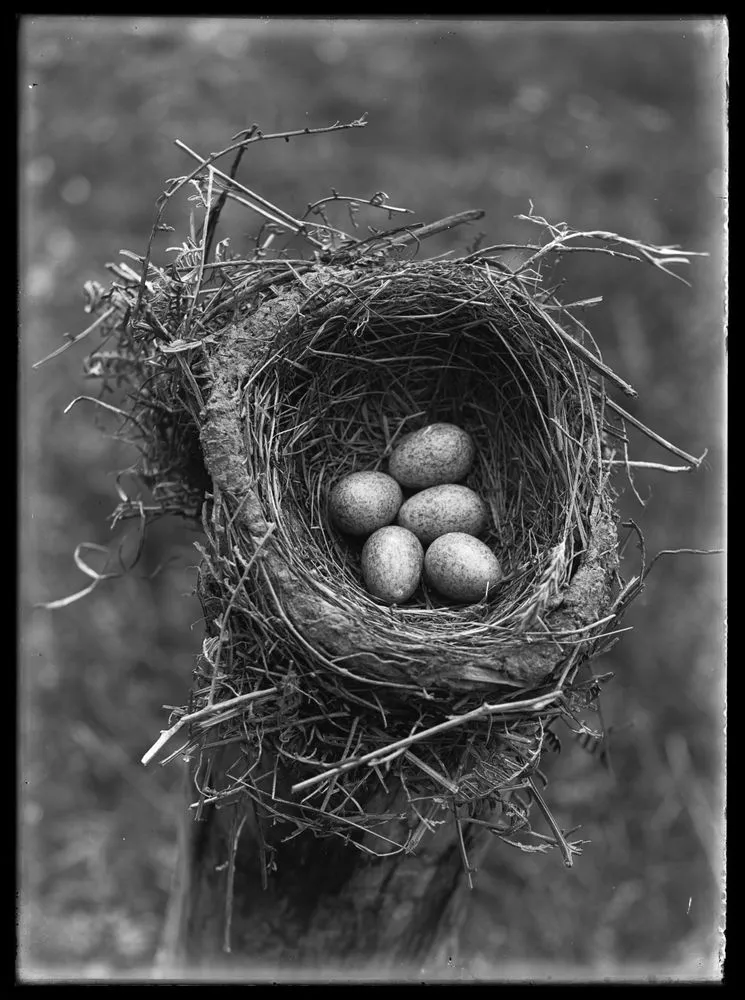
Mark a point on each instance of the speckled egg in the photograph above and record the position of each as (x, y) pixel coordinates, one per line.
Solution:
(438, 453)
(362, 502)
(392, 560)
(442, 509)
(461, 567)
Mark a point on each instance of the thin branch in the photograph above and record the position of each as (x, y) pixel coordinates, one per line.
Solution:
(648, 465)
(657, 256)
(449, 222)
(589, 358)
(374, 202)
(255, 134)
(695, 462)
(230, 887)
(469, 870)
(78, 337)
(187, 719)
(564, 846)
(104, 406)
(534, 704)
(677, 552)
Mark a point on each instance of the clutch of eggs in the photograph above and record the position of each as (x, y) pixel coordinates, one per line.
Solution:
(443, 517)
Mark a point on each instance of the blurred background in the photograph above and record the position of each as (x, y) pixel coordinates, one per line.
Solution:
(605, 125)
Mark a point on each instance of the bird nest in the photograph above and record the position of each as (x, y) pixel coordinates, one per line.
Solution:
(253, 386)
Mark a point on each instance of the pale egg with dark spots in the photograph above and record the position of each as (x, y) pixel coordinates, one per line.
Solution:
(442, 509)
(392, 560)
(362, 502)
(461, 567)
(435, 454)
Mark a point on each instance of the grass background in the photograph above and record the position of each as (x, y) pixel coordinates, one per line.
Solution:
(611, 125)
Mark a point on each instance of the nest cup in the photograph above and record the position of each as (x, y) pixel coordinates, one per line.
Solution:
(327, 376)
